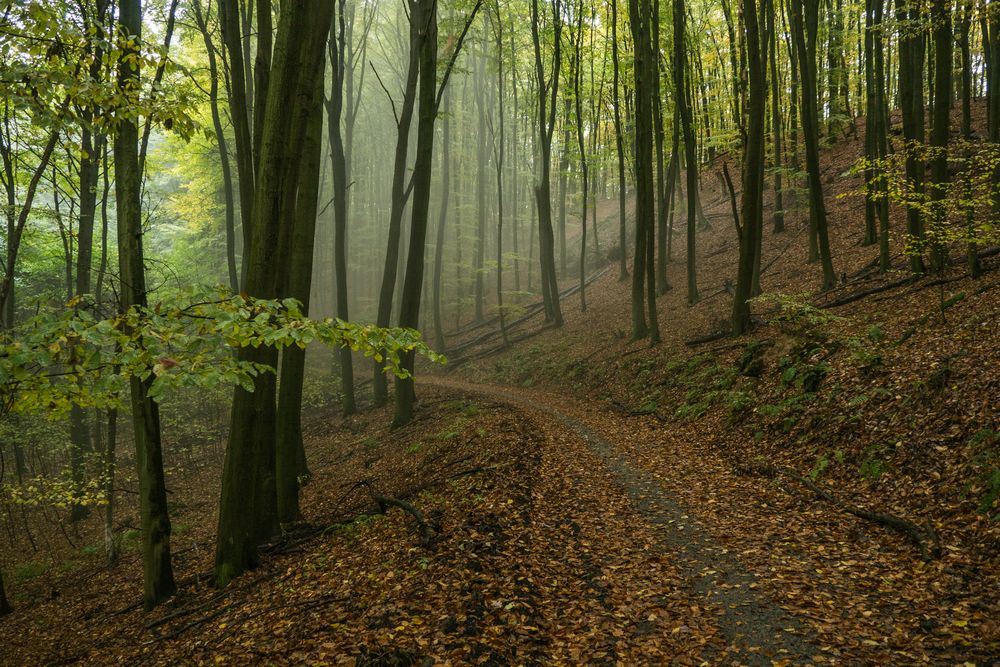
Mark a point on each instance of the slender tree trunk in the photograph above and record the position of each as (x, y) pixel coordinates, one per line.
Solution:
(805, 30)
(753, 168)
(424, 16)
(481, 179)
(398, 204)
(158, 577)
(941, 125)
(338, 47)
(619, 145)
(220, 140)
(290, 458)
(564, 167)
(911, 98)
(499, 151)
(439, 340)
(547, 95)
(967, 8)
(776, 128)
(582, 147)
(690, 149)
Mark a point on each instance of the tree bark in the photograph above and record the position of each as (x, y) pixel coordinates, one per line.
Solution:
(424, 17)
(248, 505)
(805, 31)
(158, 577)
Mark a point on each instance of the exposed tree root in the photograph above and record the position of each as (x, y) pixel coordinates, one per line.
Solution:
(384, 502)
(923, 537)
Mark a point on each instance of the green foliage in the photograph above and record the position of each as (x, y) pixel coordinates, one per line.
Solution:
(985, 468)
(958, 211)
(798, 318)
(70, 357)
(822, 463)
(54, 491)
(59, 70)
(873, 465)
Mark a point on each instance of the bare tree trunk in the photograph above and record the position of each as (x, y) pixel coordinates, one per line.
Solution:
(158, 577)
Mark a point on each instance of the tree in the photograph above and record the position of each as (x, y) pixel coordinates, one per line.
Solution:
(805, 31)
(752, 213)
(158, 576)
(646, 70)
(547, 90)
(876, 133)
(228, 191)
(940, 127)
(399, 194)
(424, 16)
(334, 109)
(909, 16)
(619, 143)
(682, 100)
(248, 505)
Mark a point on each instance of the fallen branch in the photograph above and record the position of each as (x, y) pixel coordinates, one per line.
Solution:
(385, 501)
(857, 296)
(923, 537)
(709, 338)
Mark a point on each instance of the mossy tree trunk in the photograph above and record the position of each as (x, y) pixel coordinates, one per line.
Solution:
(248, 512)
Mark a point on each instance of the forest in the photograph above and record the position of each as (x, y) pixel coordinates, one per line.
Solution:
(488, 332)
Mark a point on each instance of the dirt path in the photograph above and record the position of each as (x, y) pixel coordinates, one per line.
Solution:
(755, 630)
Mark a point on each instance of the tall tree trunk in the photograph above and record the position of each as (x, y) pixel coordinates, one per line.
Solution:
(424, 17)
(911, 98)
(290, 458)
(564, 167)
(776, 128)
(941, 126)
(619, 145)
(338, 47)
(220, 140)
(967, 9)
(643, 272)
(397, 206)
(805, 30)
(479, 268)
(547, 95)
(753, 168)
(582, 148)
(439, 340)
(499, 151)
(248, 505)
(690, 150)
(158, 577)
(240, 101)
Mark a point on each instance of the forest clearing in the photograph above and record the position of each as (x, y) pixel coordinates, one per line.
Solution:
(500, 332)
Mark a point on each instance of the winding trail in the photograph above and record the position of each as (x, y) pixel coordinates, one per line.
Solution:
(755, 629)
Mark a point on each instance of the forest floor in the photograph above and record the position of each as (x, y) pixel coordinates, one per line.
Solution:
(587, 499)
